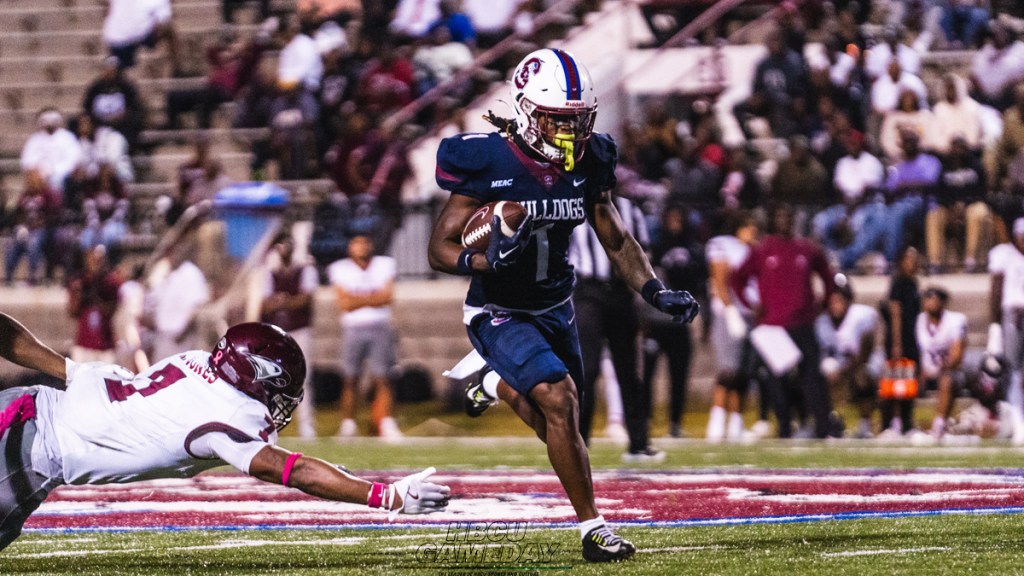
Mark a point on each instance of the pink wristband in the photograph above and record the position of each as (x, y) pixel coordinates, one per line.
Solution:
(376, 498)
(288, 465)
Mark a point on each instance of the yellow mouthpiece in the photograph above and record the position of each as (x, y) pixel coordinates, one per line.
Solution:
(568, 146)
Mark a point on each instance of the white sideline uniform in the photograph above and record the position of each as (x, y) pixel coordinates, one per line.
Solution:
(728, 348)
(174, 420)
(843, 342)
(935, 341)
(1007, 261)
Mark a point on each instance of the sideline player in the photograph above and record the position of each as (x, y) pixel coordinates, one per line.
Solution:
(519, 312)
(1006, 302)
(942, 339)
(188, 413)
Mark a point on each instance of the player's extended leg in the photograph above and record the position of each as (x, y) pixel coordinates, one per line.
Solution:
(525, 409)
(559, 406)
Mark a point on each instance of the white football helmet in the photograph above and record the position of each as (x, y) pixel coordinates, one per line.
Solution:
(555, 104)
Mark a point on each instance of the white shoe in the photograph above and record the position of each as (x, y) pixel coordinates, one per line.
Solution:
(761, 428)
(616, 432)
(348, 429)
(890, 435)
(307, 431)
(647, 456)
(388, 429)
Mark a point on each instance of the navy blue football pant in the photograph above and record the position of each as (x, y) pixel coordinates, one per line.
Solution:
(529, 349)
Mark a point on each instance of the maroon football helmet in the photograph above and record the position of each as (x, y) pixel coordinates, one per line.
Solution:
(264, 362)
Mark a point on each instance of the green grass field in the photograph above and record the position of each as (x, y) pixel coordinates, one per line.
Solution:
(953, 544)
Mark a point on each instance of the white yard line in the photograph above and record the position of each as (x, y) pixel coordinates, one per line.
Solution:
(849, 553)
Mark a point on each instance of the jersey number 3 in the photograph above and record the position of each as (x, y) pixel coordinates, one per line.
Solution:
(119, 391)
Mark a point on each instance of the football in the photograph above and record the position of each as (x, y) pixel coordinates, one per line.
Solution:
(477, 232)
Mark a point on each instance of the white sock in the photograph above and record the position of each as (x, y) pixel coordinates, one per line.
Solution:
(588, 525)
(734, 429)
(491, 380)
(896, 424)
(865, 425)
(716, 423)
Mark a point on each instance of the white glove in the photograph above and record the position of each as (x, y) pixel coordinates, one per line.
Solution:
(418, 496)
(735, 325)
(995, 339)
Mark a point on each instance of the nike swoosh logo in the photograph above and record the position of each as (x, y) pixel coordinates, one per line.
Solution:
(413, 495)
(573, 319)
(576, 182)
(504, 255)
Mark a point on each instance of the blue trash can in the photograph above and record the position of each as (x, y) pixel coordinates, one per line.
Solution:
(248, 209)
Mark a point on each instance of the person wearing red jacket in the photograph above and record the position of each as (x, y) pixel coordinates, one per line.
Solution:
(785, 266)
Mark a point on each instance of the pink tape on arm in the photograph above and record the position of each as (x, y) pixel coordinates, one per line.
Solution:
(376, 497)
(288, 465)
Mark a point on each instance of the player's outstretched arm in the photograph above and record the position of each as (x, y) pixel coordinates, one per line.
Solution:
(632, 265)
(20, 346)
(410, 495)
(446, 248)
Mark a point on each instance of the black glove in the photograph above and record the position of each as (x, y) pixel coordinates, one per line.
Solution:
(503, 250)
(679, 303)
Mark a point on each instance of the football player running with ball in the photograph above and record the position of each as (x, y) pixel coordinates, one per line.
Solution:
(518, 312)
(188, 413)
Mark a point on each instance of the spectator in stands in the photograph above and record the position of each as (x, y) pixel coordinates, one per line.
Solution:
(228, 8)
(910, 184)
(849, 359)
(961, 214)
(337, 87)
(337, 11)
(657, 141)
(53, 151)
(957, 115)
(34, 219)
(998, 66)
(999, 156)
(102, 146)
(801, 182)
(695, 183)
(231, 63)
(878, 60)
(852, 227)
(92, 301)
(942, 339)
(331, 219)
(364, 285)
(439, 60)
(130, 24)
(113, 100)
(105, 206)
(886, 90)
(387, 82)
(299, 63)
(679, 261)
(173, 302)
(900, 311)
(964, 22)
(460, 27)
(411, 19)
(355, 131)
(741, 188)
(907, 116)
(785, 266)
(779, 79)
(294, 116)
(288, 303)
(493, 20)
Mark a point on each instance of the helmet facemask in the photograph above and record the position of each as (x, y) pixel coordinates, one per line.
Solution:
(558, 134)
(281, 407)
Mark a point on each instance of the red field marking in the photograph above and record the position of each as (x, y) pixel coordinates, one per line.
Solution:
(226, 500)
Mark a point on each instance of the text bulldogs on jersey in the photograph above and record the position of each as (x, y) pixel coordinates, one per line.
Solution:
(556, 209)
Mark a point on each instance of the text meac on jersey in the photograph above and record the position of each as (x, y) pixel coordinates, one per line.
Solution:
(555, 209)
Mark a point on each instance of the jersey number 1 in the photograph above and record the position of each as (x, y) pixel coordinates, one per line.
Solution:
(118, 391)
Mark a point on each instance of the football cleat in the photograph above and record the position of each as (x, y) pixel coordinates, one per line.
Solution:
(603, 545)
(648, 455)
(477, 399)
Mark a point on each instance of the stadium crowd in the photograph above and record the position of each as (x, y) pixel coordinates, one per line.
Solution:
(850, 158)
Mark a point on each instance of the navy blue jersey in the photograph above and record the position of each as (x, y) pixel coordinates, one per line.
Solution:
(490, 167)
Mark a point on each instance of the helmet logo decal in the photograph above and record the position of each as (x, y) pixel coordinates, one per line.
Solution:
(530, 68)
(265, 369)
